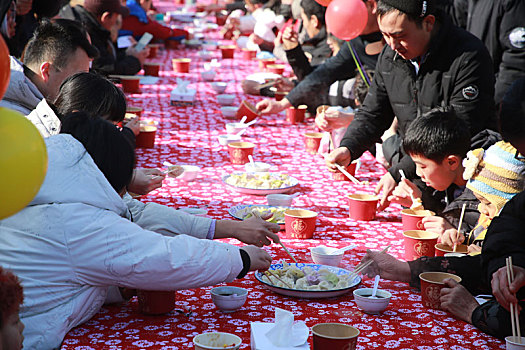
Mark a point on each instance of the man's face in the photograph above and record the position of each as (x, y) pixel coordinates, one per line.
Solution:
(110, 21)
(78, 62)
(11, 333)
(436, 175)
(404, 36)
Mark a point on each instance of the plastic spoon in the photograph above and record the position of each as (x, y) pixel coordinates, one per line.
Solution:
(251, 161)
(342, 250)
(376, 283)
(243, 120)
(252, 122)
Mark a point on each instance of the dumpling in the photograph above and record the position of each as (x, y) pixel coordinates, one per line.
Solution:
(314, 287)
(301, 283)
(325, 285)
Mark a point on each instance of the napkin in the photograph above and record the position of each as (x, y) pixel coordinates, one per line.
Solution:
(284, 334)
(210, 65)
(182, 86)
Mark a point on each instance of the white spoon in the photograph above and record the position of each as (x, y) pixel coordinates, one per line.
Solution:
(243, 119)
(251, 161)
(342, 250)
(376, 283)
(252, 122)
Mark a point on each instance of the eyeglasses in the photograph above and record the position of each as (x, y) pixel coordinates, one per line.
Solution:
(518, 156)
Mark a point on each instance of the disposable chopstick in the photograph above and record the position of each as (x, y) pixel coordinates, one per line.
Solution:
(360, 267)
(460, 222)
(268, 84)
(287, 251)
(514, 317)
(416, 204)
(347, 174)
(268, 273)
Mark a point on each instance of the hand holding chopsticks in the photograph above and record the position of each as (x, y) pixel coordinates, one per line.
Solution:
(361, 266)
(460, 222)
(347, 174)
(514, 313)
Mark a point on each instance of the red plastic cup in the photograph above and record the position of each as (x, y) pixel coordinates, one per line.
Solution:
(130, 84)
(156, 302)
(312, 140)
(263, 62)
(181, 65)
(279, 95)
(296, 115)
(134, 110)
(227, 51)
(300, 223)
(362, 206)
(334, 336)
(246, 109)
(275, 68)
(146, 137)
(239, 152)
(220, 20)
(171, 44)
(248, 54)
(153, 50)
(419, 243)
(412, 219)
(339, 176)
(442, 249)
(431, 285)
(151, 69)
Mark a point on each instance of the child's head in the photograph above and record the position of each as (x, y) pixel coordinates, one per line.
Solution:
(11, 297)
(93, 94)
(494, 175)
(360, 88)
(437, 142)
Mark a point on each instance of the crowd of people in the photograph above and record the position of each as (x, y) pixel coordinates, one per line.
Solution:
(435, 88)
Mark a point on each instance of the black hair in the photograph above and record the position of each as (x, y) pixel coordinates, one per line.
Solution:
(109, 148)
(56, 41)
(437, 134)
(313, 8)
(512, 112)
(93, 94)
(360, 88)
(384, 9)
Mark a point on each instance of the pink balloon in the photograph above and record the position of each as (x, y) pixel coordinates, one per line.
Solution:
(346, 19)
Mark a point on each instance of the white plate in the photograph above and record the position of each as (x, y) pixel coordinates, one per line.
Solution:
(310, 293)
(246, 190)
(235, 210)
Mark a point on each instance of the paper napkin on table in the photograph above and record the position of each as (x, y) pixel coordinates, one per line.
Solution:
(284, 334)
(181, 86)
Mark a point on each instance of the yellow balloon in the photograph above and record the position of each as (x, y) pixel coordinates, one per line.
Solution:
(23, 162)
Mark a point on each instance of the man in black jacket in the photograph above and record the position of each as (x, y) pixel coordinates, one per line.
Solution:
(428, 62)
(99, 17)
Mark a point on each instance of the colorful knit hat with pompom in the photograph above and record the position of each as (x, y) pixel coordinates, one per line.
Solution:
(495, 174)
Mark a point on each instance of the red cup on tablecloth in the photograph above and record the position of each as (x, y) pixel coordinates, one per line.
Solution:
(247, 109)
(275, 68)
(334, 336)
(151, 69)
(419, 243)
(442, 249)
(248, 54)
(227, 51)
(130, 84)
(312, 140)
(412, 219)
(279, 95)
(339, 176)
(296, 115)
(146, 137)
(220, 19)
(362, 206)
(171, 44)
(134, 110)
(153, 50)
(239, 152)
(300, 223)
(156, 302)
(181, 65)
(431, 285)
(263, 62)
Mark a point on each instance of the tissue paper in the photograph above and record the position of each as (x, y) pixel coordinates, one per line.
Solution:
(181, 95)
(284, 334)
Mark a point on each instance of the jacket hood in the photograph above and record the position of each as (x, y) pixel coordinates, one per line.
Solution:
(21, 92)
(73, 177)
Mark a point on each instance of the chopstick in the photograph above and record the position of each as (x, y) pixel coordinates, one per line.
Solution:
(268, 84)
(416, 202)
(460, 222)
(360, 267)
(347, 174)
(287, 251)
(514, 317)
(268, 273)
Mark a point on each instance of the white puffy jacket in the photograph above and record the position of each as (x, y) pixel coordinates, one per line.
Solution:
(71, 245)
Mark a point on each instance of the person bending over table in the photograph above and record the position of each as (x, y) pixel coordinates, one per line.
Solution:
(75, 244)
(428, 62)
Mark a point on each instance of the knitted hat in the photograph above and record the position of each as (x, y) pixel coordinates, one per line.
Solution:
(495, 174)
(416, 8)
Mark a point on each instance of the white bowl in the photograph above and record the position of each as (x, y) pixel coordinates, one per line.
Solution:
(259, 167)
(320, 255)
(226, 99)
(205, 55)
(190, 172)
(229, 299)
(217, 341)
(219, 87)
(279, 200)
(208, 75)
(229, 111)
(195, 211)
(226, 139)
(514, 343)
(236, 128)
(371, 305)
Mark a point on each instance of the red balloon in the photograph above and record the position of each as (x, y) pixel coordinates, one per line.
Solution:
(324, 2)
(5, 67)
(346, 19)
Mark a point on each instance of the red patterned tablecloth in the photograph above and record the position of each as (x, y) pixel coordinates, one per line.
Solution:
(188, 135)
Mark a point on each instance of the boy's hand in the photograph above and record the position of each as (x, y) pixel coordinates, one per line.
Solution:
(451, 237)
(473, 248)
(436, 224)
(403, 191)
(387, 184)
